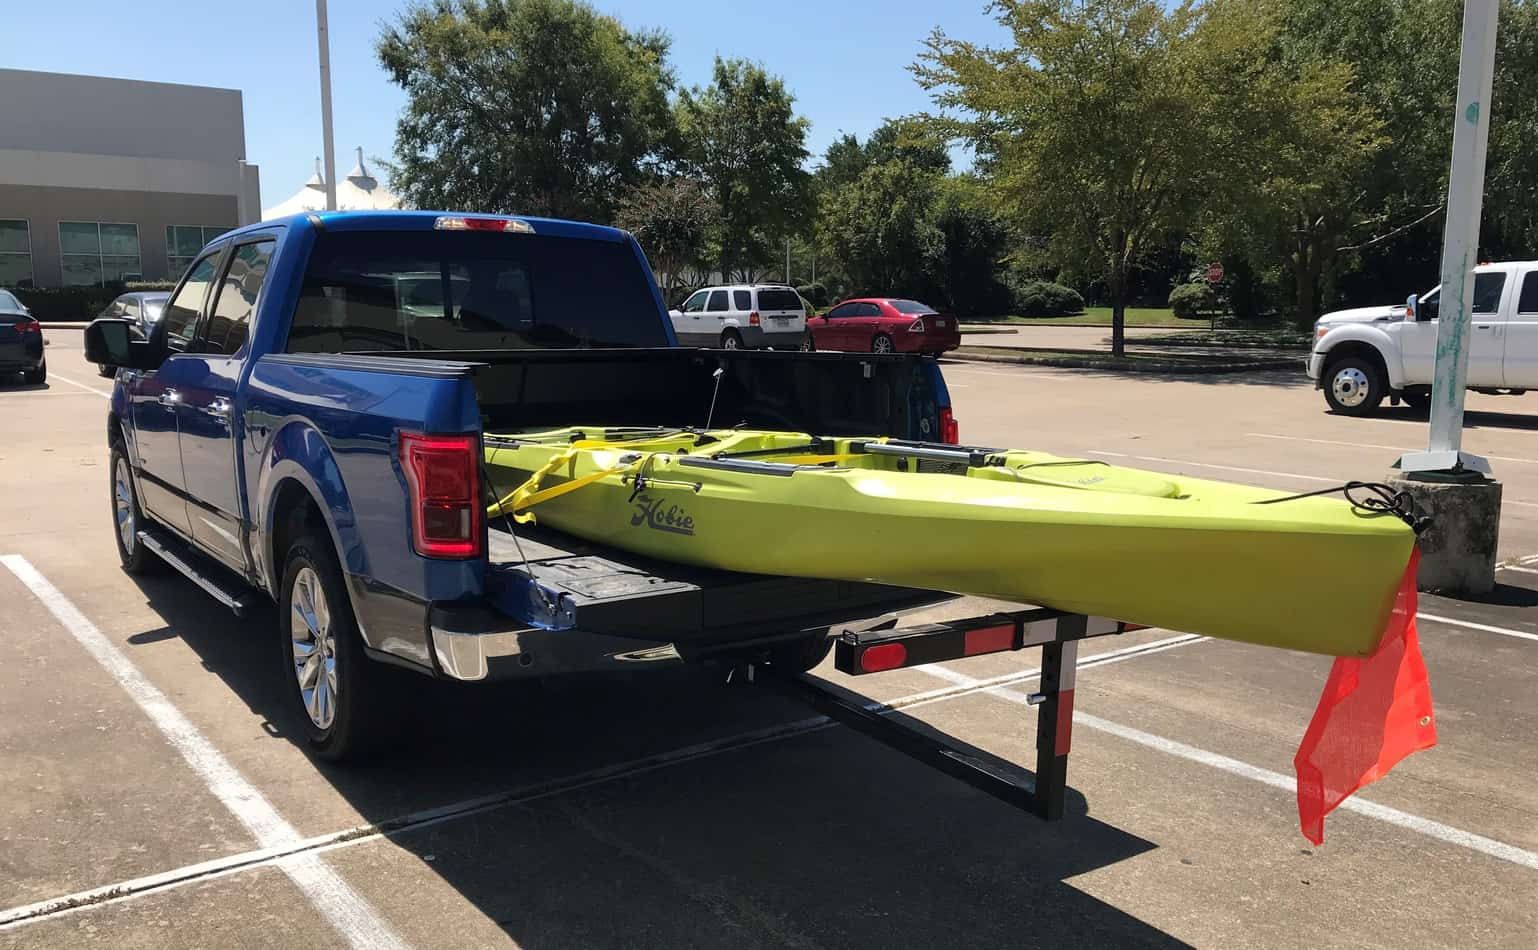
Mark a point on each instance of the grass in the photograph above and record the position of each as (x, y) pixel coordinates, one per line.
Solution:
(1101, 317)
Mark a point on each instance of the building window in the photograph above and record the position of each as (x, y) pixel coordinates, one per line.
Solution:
(15, 253)
(99, 253)
(183, 242)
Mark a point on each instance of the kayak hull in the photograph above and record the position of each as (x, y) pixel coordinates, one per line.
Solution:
(1312, 574)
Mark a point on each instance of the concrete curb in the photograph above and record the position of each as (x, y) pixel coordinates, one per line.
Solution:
(1127, 366)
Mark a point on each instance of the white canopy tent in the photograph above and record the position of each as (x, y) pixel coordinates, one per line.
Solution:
(359, 191)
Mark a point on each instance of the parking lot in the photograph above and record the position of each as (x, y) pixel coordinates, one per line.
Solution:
(155, 795)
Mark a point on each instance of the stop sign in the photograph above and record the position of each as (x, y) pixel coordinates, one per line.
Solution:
(1214, 273)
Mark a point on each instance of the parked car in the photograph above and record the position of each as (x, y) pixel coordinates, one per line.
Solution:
(742, 316)
(884, 325)
(21, 341)
(143, 307)
(1363, 355)
(298, 428)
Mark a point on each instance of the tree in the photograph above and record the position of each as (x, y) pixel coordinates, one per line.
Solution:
(846, 157)
(746, 144)
(1094, 124)
(881, 229)
(975, 245)
(670, 217)
(525, 106)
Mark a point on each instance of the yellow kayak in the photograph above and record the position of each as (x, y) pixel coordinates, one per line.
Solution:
(1232, 561)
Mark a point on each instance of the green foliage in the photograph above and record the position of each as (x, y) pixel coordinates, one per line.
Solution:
(1040, 298)
(1095, 121)
(1193, 300)
(743, 140)
(542, 107)
(976, 243)
(881, 230)
(67, 304)
(671, 219)
(816, 293)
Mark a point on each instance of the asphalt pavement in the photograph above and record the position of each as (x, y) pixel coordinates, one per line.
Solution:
(155, 796)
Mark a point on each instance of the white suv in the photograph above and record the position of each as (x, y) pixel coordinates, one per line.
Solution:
(742, 316)
(1363, 355)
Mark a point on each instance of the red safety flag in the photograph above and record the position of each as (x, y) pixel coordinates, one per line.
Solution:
(1373, 712)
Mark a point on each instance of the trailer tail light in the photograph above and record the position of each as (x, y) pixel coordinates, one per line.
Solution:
(753, 319)
(950, 429)
(916, 326)
(885, 656)
(460, 223)
(444, 487)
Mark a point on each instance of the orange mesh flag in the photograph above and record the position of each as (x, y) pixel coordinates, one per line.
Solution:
(1373, 712)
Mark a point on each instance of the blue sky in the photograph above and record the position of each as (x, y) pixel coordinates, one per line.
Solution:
(845, 60)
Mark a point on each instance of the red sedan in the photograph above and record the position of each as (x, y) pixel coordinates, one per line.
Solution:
(883, 325)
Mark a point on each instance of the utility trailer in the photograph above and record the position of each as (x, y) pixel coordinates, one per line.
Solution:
(563, 605)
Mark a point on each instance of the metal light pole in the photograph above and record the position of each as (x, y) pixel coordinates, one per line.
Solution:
(1460, 246)
(323, 37)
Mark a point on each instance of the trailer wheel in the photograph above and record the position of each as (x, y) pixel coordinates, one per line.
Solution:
(344, 699)
(800, 655)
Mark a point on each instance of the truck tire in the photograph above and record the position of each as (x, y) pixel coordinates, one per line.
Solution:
(800, 655)
(1419, 399)
(1354, 386)
(345, 700)
(127, 517)
(35, 377)
(731, 340)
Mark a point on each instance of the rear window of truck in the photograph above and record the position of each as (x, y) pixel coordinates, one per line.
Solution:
(454, 290)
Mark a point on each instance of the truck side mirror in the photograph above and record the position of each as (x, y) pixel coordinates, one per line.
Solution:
(109, 341)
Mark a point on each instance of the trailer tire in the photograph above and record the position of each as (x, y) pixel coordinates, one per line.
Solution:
(801, 655)
(352, 704)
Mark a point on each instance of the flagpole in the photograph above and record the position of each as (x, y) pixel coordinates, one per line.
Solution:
(323, 39)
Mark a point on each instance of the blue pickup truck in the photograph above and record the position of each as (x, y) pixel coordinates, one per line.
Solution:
(305, 424)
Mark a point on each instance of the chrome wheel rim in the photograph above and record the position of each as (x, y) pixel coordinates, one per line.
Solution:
(882, 345)
(314, 647)
(729, 342)
(1350, 387)
(123, 506)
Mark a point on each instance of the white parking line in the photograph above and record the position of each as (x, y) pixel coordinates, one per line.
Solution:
(262, 857)
(1520, 570)
(1393, 816)
(344, 908)
(1257, 471)
(1518, 634)
(90, 389)
(1372, 445)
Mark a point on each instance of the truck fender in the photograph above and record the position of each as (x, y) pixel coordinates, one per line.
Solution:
(299, 454)
(1356, 336)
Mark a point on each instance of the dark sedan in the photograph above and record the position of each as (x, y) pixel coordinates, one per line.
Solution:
(21, 341)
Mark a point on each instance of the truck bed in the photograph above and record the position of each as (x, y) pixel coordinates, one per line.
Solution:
(699, 610)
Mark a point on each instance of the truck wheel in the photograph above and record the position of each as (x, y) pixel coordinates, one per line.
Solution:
(126, 516)
(882, 344)
(342, 695)
(1353, 387)
(37, 376)
(808, 345)
(800, 655)
(730, 340)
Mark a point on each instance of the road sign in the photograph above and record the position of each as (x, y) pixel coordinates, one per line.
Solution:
(1214, 273)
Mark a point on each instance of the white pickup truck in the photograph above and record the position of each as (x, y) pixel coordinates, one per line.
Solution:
(1362, 355)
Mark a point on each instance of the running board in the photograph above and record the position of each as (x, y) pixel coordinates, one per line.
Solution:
(215, 580)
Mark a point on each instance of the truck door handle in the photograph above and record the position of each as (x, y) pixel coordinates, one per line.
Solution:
(219, 408)
(169, 397)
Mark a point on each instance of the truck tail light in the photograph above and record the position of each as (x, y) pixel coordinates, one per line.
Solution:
(461, 223)
(950, 429)
(753, 319)
(916, 326)
(444, 486)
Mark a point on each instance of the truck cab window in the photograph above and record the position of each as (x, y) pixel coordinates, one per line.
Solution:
(1487, 292)
(181, 316)
(229, 320)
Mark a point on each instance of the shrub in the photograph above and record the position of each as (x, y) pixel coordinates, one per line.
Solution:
(67, 304)
(817, 293)
(1193, 300)
(148, 285)
(1040, 298)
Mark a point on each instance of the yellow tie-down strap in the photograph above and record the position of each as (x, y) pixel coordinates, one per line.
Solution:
(526, 496)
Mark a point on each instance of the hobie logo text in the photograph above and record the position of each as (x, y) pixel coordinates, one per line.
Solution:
(661, 516)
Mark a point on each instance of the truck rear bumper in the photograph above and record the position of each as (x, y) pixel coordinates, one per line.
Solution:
(477, 644)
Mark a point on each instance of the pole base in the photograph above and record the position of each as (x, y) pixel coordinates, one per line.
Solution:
(1458, 548)
(1444, 461)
